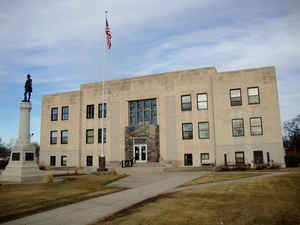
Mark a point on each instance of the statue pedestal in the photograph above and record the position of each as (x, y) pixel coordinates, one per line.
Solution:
(22, 164)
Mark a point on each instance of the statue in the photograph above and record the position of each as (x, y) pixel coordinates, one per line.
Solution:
(28, 89)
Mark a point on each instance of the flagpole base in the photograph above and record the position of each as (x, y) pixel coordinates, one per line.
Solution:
(102, 164)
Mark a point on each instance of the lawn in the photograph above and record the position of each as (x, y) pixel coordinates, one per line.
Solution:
(222, 176)
(25, 199)
(267, 201)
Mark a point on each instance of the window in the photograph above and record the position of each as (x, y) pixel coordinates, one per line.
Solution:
(235, 97)
(225, 159)
(202, 101)
(186, 103)
(65, 113)
(63, 160)
(102, 110)
(258, 157)
(188, 159)
(256, 126)
(142, 112)
(237, 127)
(89, 160)
(100, 135)
(15, 156)
(89, 136)
(29, 156)
(253, 95)
(203, 130)
(90, 111)
(54, 114)
(268, 157)
(52, 160)
(187, 131)
(239, 158)
(64, 137)
(53, 137)
(204, 157)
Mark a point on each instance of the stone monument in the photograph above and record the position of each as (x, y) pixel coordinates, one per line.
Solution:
(23, 165)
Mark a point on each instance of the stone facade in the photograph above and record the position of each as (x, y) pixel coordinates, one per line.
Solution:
(165, 140)
(151, 135)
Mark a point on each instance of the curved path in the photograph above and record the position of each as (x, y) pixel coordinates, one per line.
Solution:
(143, 187)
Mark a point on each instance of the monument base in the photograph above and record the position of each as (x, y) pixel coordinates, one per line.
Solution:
(22, 166)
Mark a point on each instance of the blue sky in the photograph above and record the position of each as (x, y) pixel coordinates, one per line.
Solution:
(60, 43)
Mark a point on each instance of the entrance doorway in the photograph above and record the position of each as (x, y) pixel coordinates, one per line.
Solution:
(140, 153)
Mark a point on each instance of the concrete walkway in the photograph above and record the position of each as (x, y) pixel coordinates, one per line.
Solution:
(147, 186)
(85, 212)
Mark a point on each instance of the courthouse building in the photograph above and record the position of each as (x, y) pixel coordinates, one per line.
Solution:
(185, 118)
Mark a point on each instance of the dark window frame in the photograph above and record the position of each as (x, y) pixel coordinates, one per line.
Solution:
(102, 110)
(242, 127)
(251, 126)
(249, 103)
(89, 160)
(63, 163)
(202, 101)
(64, 139)
(63, 114)
(190, 103)
(90, 109)
(203, 154)
(188, 161)
(183, 131)
(51, 138)
(199, 136)
(88, 136)
(54, 116)
(133, 115)
(100, 135)
(257, 160)
(242, 162)
(29, 156)
(52, 162)
(241, 99)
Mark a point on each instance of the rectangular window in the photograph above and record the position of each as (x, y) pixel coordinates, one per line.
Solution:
(204, 158)
(53, 137)
(188, 159)
(237, 127)
(15, 156)
(63, 160)
(202, 101)
(100, 135)
(258, 157)
(89, 136)
(256, 126)
(239, 158)
(102, 110)
(187, 131)
(89, 160)
(235, 97)
(54, 114)
(142, 112)
(64, 137)
(29, 156)
(203, 130)
(65, 113)
(52, 160)
(268, 157)
(225, 159)
(186, 103)
(253, 95)
(90, 111)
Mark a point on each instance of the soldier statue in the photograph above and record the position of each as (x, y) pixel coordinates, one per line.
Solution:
(28, 89)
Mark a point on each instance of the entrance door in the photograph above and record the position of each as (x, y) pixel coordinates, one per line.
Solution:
(258, 157)
(140, 153)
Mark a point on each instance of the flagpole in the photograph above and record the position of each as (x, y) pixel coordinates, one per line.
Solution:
(102, 156)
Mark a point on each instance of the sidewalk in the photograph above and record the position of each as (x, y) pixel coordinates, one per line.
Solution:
(91, 210)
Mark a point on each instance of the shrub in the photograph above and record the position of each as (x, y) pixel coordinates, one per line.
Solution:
(76, 171)
(3, 164)
(260, 166)
(43, 167)
(49, 179)
(292, 160)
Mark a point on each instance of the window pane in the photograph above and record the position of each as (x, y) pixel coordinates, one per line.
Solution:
(202, 97)
(147, 117)
(253, 99)
(153, 117)
(252, 91)
(140, 105)
(202, 105)
(186, 99)
(235, 93)
(140, 117)
(147, 104)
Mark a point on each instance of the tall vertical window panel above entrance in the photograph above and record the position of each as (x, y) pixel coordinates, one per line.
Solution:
(142, 112)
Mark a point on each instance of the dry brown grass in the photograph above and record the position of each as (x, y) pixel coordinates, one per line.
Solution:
(24, 199)
(222, 176)
(268, 201)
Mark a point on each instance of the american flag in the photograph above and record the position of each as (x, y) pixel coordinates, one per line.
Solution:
(108, 35)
